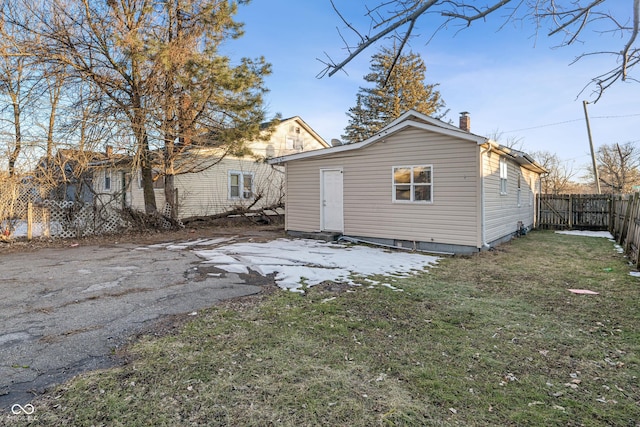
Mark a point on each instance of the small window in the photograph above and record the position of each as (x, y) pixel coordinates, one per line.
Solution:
(158, 181)
(290, 142)
(519, 191)
(240, 185)
(294, 143)
(503, 175)
(412, 184)
(107, 180)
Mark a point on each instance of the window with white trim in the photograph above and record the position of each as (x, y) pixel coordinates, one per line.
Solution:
(240, 185)
(107, 180)
(519, 193)
(413, 184)
(503, 175)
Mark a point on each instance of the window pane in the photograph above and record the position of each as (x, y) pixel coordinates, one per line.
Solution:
(401, 175)
(234, 185)
(403, 192)
(422, 175)
(247, 194)
(503, 186)
(289, 143)
(422, 193)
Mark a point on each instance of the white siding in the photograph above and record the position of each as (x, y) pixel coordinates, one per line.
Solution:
(207, 192)
(289, 137)
(113, 195)
(369, 211)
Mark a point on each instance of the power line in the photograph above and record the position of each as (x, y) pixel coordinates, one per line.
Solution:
(571, 121)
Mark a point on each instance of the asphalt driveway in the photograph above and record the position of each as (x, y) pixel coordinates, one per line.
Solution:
(65, 310)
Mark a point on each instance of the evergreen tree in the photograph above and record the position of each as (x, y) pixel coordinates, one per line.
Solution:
(393, 93)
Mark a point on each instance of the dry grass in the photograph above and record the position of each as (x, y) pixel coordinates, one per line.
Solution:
(493, 339)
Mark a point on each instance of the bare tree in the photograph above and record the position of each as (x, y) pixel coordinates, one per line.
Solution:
(514, 142)
(619, 167)
(18, 78)
(569, 19)
(559, 176)
(155, 74)
(103, 44)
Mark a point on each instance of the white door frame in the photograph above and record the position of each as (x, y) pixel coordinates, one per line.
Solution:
(331, 220)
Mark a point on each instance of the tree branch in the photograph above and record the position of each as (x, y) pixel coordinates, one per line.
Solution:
(634, 34)
(369, 41)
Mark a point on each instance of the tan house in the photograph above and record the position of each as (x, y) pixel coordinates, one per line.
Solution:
(221, 183)
(419, 183)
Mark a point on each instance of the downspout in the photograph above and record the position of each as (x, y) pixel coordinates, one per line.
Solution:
(483, 230)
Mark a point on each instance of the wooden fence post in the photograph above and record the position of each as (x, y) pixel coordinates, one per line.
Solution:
(632, 224)
(570, 212)
(29, 220)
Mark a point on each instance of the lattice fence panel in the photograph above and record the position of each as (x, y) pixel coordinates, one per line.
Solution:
(24, 207)
(74, 219)
(18, 199)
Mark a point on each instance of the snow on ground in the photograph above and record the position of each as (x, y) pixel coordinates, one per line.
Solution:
(297, 263)
(587, 233)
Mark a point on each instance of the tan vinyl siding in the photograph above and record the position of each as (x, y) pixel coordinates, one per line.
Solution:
(502, 212)
(303, 187)
(369, 210)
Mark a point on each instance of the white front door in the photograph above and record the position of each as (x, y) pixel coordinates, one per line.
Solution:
(331, 200)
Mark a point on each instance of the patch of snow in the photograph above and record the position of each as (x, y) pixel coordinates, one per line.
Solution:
(303, 262)
(19, 228)
(587, 233)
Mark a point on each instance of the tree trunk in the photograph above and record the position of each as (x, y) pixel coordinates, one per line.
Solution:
(13, 157)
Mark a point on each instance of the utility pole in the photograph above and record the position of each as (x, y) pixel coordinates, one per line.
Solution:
(593, 155)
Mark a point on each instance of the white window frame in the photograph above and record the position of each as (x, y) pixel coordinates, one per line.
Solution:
(289, 142)
(107, 180)
(504, 175)
(412, 185)
(241, 189)
(519, 193)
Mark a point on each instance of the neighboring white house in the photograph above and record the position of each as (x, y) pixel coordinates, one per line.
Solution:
(418, 183)
(222, 182)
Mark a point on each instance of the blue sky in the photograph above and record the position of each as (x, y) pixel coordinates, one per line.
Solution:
(508, 79)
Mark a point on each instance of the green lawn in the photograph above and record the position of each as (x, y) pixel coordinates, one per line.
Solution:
(492, 339)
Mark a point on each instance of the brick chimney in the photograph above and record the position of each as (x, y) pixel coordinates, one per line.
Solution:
(109, 151)
(465, 121)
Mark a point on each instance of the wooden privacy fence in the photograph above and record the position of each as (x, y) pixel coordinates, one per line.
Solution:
(574, 211)
(625, 224)
(619, 214)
